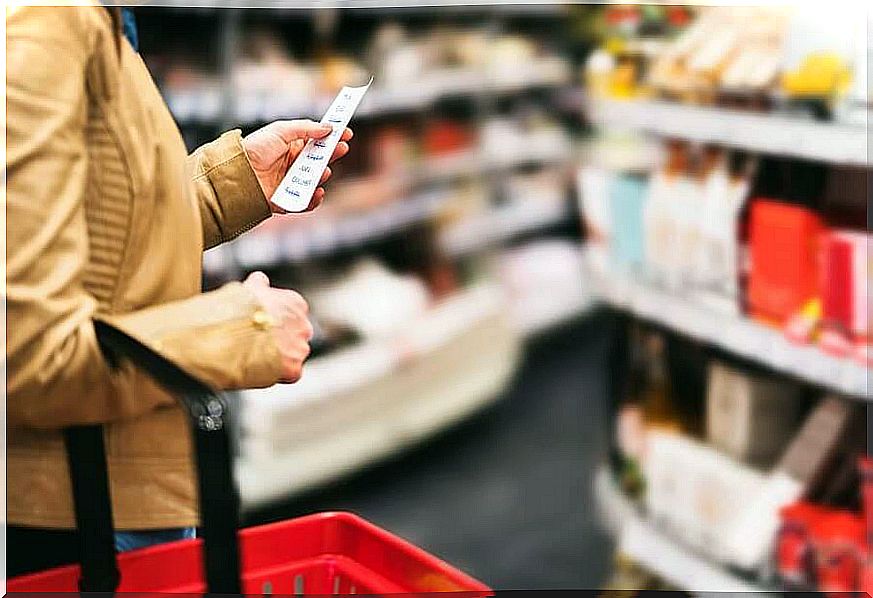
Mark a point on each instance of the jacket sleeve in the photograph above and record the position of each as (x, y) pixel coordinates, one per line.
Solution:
(56, 373)
(230, 198)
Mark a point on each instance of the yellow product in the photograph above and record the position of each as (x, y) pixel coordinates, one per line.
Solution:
(820, 74)
(622, 83)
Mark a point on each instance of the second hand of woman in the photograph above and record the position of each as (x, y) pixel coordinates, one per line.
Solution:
(271, 151)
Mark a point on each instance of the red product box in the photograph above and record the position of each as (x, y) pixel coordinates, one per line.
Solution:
(845, 265)
(445, 137)
(783, 242)
(865, 466)
(795, 554)
(839, 547)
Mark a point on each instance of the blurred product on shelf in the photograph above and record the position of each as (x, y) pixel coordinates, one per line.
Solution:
(630, 432)
(725, 190)
(827, 549)
(783, 273)
(365, 402)
(544, 283)
(525, 202)
(731, 511)
(750, 417)
(711, 488)
(821, 59)
(391, 151)
(847, 266)
(790, 59)
(511, 140)
(370, 300)
(829, 437)
(653, 390)
(267, 82)
(632, 35)
(593, 184)
(197, 95)
(738, 234)
(821, 548)
(442, 137)
(627, 197)
(394, 58)
(727, 49)
(668, 203)
(678, 227)
(653, 404)
(606, 159)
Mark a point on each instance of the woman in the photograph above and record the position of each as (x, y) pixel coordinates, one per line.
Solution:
(107, 221)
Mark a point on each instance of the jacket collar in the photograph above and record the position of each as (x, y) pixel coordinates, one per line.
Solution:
(128, 23)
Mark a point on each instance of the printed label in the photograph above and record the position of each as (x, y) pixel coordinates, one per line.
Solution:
(295, 191)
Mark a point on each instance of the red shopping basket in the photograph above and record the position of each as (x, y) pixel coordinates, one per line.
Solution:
(326, 553)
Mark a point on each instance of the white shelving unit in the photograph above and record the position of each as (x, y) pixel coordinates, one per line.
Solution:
(364, 403)
(736, 334)
(641, 541)
(202, 104)
(265, 249)
(533, 7)
(765, 133)
(478, 232)
(262, 249)
(645, 544)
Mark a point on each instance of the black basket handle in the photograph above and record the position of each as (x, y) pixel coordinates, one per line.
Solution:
(218, 495)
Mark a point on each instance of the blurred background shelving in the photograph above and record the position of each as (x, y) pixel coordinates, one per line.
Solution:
(607, 259)
(764, 133)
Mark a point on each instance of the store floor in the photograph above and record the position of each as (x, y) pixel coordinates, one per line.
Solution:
(506, 496)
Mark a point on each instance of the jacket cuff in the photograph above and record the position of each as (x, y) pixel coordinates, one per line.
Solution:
(224, 166)
(223, 338)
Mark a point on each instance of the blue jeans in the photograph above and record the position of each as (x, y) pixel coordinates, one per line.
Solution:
(125, 541)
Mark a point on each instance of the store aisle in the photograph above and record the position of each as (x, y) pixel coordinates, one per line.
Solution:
(506, 496)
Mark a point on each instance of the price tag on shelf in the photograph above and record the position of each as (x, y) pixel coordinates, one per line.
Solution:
(295, 191)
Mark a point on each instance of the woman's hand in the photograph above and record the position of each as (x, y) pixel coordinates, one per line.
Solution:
(293, 330)
(273, 148)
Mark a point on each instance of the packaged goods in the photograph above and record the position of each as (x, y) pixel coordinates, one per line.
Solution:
(627, 200)
(748, 416)
(783, 244)
(846, 266)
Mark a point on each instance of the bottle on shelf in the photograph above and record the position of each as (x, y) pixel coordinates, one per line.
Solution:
(659, 410)
(659, 213)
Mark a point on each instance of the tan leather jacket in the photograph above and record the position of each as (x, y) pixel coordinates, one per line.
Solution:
(107, 219)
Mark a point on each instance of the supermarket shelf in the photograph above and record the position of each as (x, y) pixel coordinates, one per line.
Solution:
(266, 249)
(765, 133)
(533, 7)
(263, 249)
(736, 334)
(497, 225)
(366, 403)
(203, 104)
(643, 542)
(550, 313)
(468, 162)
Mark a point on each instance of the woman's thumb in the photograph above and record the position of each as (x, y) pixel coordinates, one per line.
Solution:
(258, 279)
